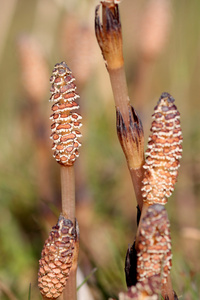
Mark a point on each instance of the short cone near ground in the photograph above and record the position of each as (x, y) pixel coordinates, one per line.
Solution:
(148, 289)
(154, 244)
(57, 258)
(152, 248)
(153, 255)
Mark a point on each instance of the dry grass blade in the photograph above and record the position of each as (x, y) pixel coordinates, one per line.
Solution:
(7, 291)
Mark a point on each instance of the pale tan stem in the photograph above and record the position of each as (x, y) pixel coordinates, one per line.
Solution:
(137, 177)
(68, 192)
(68, 211)
(129, 136)
(70, 291)
(167, 290)
(129, 126)
(143, 213)
(120, 92)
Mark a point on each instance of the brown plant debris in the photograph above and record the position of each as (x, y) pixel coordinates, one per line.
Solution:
(148, 289)
(154, 244)
(131, 266)
(164, 151)
(57, 258)
(66, 122)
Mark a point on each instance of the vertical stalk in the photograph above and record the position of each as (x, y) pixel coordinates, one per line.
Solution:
(129, 126)
(70, 291)
(137, 175)
(120, 92)
(59, 257)
(122, 104)
(68, 211)
(68, 192)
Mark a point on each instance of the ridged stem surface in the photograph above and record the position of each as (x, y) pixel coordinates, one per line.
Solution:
(68, 192)
(120, 92)
(137, 176)
(122, 104)
(129, 126)
(69, 292)
(68, 210)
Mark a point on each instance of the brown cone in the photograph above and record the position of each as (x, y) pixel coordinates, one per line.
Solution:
(164, 151)
(154, 244)
(56, 258)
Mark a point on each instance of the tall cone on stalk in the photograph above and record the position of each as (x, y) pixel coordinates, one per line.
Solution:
(58, 263)
(66, 122)
(164, 151)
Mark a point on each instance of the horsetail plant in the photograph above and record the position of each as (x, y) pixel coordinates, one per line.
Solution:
(164, 151)
(154, 182)
(58, 263)
(154, 256)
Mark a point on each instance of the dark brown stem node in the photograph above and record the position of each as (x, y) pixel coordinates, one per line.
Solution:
(132, 142)
(131, 138)
(109, 35)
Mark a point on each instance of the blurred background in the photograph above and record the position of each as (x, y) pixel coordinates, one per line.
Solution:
(162, 54)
